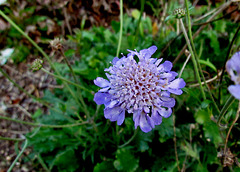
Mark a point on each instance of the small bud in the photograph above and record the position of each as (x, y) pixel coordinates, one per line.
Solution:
(36, 65)
(56, 44)
(179, 13)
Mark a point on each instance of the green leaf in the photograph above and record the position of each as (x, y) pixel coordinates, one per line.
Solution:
(205, 103)
(125, 161)
(105, 166)
(136, 14)
(66, 161)
(191, 150)
(210, 128)
(208, 63)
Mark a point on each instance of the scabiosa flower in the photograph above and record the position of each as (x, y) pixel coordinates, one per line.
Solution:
(139, 85)
(233, 68)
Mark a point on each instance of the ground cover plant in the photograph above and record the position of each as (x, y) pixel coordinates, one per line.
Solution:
(138, 86)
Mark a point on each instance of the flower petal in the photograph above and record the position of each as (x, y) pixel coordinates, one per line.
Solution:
(166, 66)
(170, 102)
(147, 53)
(101, 98)
(156, 117)
(121, 118)
(114, 61)
(233, 63)
(165, 112)
(144, 125)
(235, 91)
(175, 91)
(136, 118)
(177, 83)
(99, 81)
(112, 113)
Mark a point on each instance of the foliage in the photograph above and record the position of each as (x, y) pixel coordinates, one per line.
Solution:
(100, 145)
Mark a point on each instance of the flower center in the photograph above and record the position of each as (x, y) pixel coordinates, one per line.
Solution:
(134, 85)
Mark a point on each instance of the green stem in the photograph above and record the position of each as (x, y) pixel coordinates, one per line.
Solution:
(27, 37)
(131, 139)
(11, 139)
(65, 80)
(68, 64)
(121, 28)
(23, 90)
(42, 125)
(194, 51)
(229, 102)
(42, 163)
(42, 52)
(75, 79)
(138, 23)
(193, 59)
(18, 156)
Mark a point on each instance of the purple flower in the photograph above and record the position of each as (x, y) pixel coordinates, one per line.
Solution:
(233, 68)
(141, 87)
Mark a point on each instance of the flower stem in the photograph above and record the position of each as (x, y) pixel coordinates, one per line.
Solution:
(121, 28)
(18, 156)
(193, 59)
(44, 54)
(65, 80)
(230, 128)
(23, 90)
(11, 139)
(131, 139)
(194, 51)
(229, 102)
(43, 125)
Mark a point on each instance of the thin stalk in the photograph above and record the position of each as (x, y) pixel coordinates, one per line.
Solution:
(236, 9)
(229, 102)
(42, 52)
(28, 38)
(23, 90)
(138, 23)
(229, 131)
(42, 163)
(184, 65)
(220, 9)
(18, 156)
(193, 59)
(65, 80)
(68, 64)
(43, 125)
(11, 139)
(130, 140)
(20, 88)
(121, 28)
(175, 143)
(194, 51)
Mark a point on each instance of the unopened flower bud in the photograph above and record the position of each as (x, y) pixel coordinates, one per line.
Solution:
(179, 13)
(37, 65)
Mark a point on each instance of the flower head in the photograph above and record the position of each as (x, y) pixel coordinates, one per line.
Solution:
(233, 68)
(139, 85)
